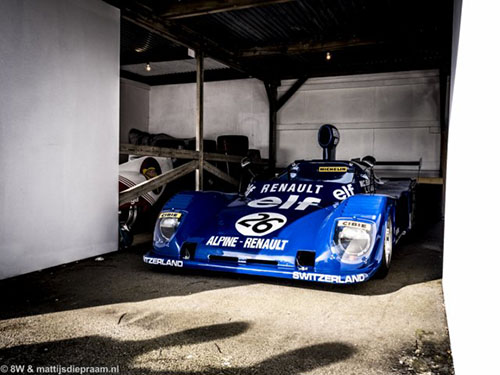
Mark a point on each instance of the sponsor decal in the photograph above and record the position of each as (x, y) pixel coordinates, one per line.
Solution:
(260, 223)
(223, 241)
(164, 262)
(345, 192)
(332, 169)
(264, 243)
(248, 242)
(176, 215)
(268, 202)
(291, 188)
(333, 279)
(355, 224)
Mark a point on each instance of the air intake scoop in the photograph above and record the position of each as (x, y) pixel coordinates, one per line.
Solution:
(328, 139)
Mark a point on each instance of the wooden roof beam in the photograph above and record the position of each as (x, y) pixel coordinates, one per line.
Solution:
(193, 8)
(305, 47)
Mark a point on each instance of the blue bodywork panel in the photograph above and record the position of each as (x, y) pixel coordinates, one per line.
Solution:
(319, 221)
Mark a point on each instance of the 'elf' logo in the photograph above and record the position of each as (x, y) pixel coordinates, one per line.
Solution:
(343, 193)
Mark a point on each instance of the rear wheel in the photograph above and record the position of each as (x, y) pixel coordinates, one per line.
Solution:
(387, 253)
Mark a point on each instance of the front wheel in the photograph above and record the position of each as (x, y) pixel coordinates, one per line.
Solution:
(387, 253)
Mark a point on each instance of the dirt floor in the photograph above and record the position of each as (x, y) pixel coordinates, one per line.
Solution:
(118, 312)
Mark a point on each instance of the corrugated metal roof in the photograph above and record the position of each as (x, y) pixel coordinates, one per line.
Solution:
(399, 35)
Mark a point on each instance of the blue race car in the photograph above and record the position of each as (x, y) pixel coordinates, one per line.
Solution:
(321, 220)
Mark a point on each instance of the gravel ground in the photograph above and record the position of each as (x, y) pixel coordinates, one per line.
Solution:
(118, 312)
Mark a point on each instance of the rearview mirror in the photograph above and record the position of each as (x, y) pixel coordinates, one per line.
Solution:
(245, 162)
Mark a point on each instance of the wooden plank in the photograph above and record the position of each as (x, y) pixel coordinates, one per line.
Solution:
(156, 182)
(222, 175)
(193, 8)
(157, 151)
(305, 47)
(431, 180)
(222, 157)
(199, 119)
(180, 154)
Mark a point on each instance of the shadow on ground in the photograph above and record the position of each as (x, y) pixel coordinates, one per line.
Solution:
(123, 277)
(428, 355)
(107, 352)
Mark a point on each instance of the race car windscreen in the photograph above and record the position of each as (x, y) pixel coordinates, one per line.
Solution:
(334, 172)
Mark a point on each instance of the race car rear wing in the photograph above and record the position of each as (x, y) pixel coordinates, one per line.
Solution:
(410, 168)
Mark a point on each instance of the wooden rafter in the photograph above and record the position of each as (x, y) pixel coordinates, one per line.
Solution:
(304, 47)
(192, 8)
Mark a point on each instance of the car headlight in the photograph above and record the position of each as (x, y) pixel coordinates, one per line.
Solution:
(352, 241)
(168, 222)
(168, 226)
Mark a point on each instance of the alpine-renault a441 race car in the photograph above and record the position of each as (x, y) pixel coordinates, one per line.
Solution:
(321, 220)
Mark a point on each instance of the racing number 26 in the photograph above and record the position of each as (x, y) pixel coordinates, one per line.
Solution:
(260, 223)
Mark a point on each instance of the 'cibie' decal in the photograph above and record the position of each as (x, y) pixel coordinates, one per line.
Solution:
(260, 223)
(176, 215)
(354, 224)
(332, 169)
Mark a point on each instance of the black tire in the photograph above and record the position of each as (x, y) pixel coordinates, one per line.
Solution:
(383, 270)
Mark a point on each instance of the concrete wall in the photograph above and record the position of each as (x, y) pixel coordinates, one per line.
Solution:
(231, 107)
(392, 116)
(59, 85)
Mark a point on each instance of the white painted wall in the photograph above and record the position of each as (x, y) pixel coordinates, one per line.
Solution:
(59, 85)
(134, 107)
(237, 107)
(471, 249)
(392, 116)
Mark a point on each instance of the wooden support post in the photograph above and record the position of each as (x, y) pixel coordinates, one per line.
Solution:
(199, 119)
(272, 97)
(275, 105)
